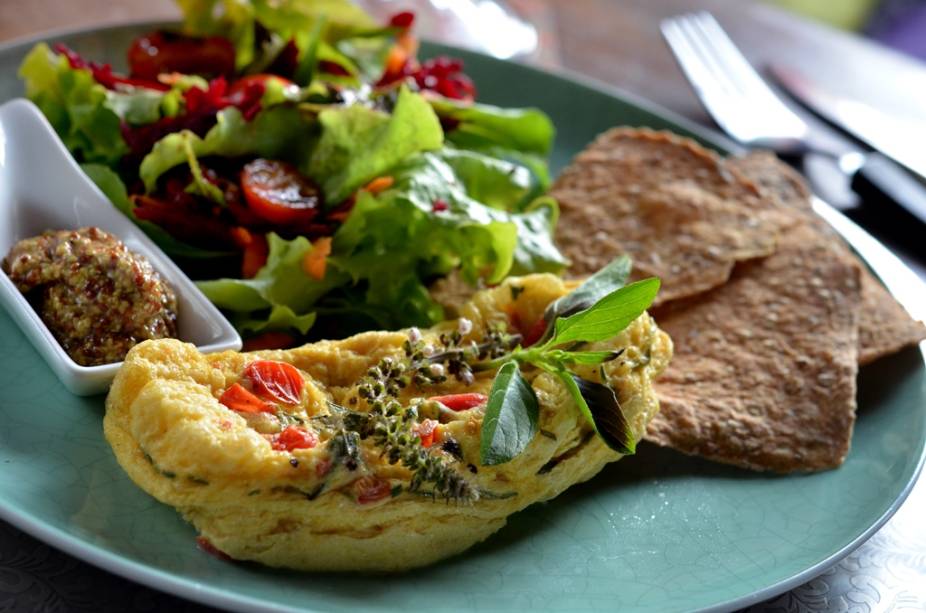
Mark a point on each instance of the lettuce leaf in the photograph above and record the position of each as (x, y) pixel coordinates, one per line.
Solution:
(480, 126)
(393, 243)
(429, 223)
(281, 295)
(358, 144)
(75, 105)
(430, 198)
(279, 132)
(238, 20)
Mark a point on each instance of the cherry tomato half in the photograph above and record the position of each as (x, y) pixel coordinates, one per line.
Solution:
(238, 398)
(277, 192)
(165, 52)
(275, 380)
(294, 437)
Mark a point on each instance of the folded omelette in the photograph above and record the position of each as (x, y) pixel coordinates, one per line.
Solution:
(270, 455)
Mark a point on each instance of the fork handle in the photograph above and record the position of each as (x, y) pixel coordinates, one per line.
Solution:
(881, 180)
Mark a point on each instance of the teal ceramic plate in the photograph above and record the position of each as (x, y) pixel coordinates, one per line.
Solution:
(655, 532)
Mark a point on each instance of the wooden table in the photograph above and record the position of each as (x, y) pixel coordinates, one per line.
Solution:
(616, 42)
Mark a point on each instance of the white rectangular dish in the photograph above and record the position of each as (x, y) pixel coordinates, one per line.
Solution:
(42, 188)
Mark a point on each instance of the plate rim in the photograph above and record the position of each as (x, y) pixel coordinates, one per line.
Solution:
(886, 266)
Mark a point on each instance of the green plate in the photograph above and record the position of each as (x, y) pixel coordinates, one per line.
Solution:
(655, 532)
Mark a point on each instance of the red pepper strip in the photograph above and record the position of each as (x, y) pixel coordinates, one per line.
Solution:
(370, 489)
(427, 431)
(461, 402)
(237, 398)
(294, 437)
(206, 545)
(534, 333)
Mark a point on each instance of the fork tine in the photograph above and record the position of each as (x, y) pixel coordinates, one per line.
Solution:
(701, 46)
(702, 76)
(737, 67)
(734, 93)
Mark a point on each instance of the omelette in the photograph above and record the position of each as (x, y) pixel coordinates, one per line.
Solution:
(290, 458)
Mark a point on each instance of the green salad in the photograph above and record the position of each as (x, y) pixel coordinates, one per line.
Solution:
(301, 162)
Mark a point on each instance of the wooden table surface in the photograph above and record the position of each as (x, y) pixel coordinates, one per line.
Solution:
(616, 42)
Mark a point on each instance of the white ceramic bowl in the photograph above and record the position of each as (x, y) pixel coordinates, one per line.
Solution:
(42, 188)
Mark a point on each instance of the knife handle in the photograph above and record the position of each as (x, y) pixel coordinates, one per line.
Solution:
(880, 180)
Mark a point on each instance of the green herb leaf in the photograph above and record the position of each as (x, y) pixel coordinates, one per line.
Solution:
(599, 404)
(511, 417)
(610, 278)
(589, 357)
(608, 316)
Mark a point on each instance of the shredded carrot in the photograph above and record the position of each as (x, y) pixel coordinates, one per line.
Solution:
(395, 61)
(379, 184)
(408, 42)
(313, 263)
(255, 256)
(241, 236)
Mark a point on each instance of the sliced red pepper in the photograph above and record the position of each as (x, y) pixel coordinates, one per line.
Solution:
(427, 431)
(461, 402)
(184, 223)
(239, 399)
(275, 380)
(294, 437)
(371, 489)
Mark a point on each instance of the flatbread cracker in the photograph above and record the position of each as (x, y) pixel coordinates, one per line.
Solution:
(885, 327)
(670, 204)
(764, 370)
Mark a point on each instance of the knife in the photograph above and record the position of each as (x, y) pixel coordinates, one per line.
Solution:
(879, 177)
(898, 137)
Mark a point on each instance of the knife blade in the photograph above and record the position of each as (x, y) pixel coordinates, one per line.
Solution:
(899, 137)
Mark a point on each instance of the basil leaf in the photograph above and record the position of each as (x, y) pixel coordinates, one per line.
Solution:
(611, 277)
(599, 404)
(589, 357)
(511, 417)
(608, 316)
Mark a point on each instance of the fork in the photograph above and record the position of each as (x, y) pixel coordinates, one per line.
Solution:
(748, 110)
(735, 95)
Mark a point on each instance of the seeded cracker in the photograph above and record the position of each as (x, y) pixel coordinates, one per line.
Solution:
(667, 202)
(884, 325)
(764, 371)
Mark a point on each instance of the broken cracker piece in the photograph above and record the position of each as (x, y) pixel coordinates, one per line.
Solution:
(670, 204)
(885, 327)
(764, 370)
